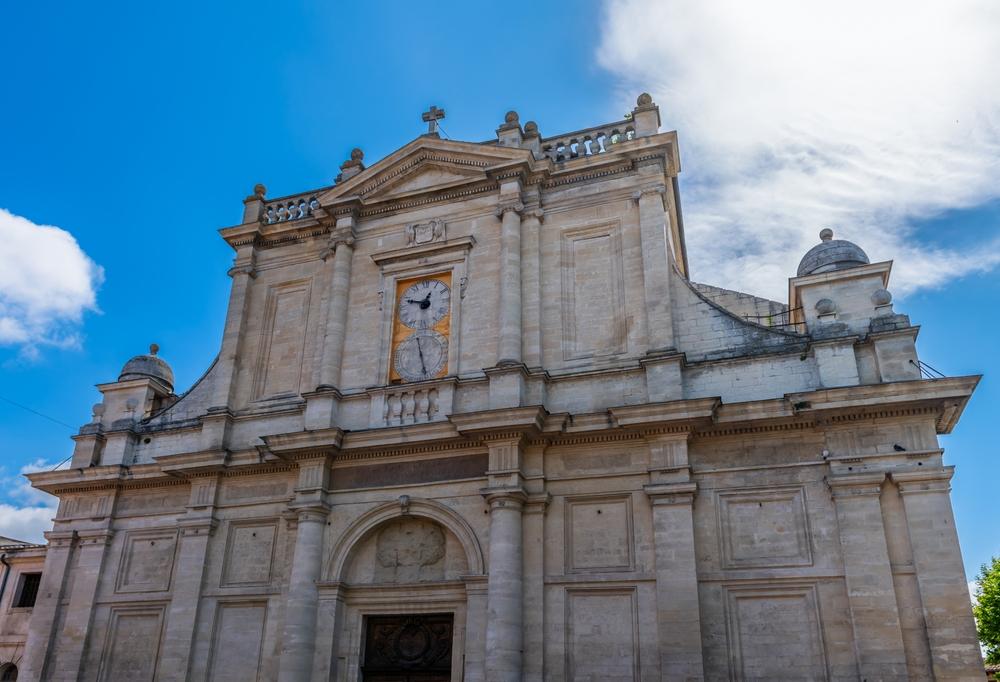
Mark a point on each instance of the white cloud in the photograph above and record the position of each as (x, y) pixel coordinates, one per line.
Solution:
(792, 116)
(29, 512)
(47, 282)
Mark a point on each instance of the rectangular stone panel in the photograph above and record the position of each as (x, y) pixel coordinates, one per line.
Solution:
(147, 561)
(602, 635)
(761, 528)
(249, 553)
(132, 645)
(401, 473)
(279, 356)
(599, 534)
(237, 642)
(593, 292)
(775, 633)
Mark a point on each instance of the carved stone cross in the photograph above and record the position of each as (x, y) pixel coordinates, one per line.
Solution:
(431, 118)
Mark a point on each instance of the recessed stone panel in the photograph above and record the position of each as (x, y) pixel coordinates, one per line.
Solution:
(132, 645)
(238, 641)
(279, 358)
(599, 534)
(593, 292)
(764, 528)
(249, 553)
(775, 633)
(602, 635)
(147, 561)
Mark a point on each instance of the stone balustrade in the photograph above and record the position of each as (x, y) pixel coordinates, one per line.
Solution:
(290, 208)
(589, 142)
(411, 404)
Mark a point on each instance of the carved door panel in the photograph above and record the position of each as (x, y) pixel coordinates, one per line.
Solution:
(408, 648)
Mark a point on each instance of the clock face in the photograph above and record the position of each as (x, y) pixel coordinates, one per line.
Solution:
(424, 304)
(422, 355)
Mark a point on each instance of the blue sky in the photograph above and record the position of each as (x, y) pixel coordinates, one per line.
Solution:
(138, 128)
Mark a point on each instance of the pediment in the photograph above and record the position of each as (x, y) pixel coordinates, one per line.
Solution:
(426, 165)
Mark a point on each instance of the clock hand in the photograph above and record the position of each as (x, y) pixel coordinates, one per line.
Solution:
(426, 303)
(421, 352)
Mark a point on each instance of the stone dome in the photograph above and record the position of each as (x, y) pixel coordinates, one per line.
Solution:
(148, 366)
(831, 254)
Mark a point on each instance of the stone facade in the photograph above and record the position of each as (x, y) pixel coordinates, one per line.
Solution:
(588, 468)
(20, 568)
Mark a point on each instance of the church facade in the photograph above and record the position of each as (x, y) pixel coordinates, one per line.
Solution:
(472, 420)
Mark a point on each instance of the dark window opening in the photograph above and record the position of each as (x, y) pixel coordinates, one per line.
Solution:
(8, 673)
(28, 591)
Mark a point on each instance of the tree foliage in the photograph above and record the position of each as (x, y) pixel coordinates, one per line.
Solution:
(987, 609)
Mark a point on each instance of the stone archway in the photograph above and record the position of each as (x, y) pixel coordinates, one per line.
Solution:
(400, 573)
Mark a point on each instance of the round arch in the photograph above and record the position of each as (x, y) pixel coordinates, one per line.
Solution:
(402, 508)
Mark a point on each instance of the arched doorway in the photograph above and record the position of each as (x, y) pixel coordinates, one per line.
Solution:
(8, 672)
(397, 597)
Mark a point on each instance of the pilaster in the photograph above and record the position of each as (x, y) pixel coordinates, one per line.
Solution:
(672, 495)
(298, 643)
(951, 630)
(197, 527)
(531, 230)
(41, 639)
(87, 569)
(656, 260)
(533, 524)
(878, 639)
(243, 271)
(509, 212)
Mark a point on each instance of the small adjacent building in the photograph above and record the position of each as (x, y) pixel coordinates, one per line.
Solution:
(20, 577)
(471, 419)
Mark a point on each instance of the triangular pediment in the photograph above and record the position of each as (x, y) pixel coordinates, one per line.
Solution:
(426, 165)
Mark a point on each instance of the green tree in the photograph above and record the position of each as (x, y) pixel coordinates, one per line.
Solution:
(987, 609)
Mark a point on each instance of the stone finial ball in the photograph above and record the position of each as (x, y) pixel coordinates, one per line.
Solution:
(154, 348)
(643, 100)
(825, 306)
(881, 297)
(259, 190)
(531, 127)
(511, 117)
(357, 154)
(826, 234)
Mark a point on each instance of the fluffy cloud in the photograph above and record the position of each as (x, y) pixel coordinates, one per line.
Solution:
(30, 512)
(47, 282)
(862, 116)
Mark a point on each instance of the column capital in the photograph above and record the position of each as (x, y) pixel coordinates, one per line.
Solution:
(672, 493)
(856, 485)
(930, 481)
(506, 205)
(243, 269)
(658, 189)
(505, 498)
(98, 536)
(197, 526)
(60, 538)
(310, 513)
(537, 503)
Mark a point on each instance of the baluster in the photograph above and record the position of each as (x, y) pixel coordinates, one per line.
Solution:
(408, 405)
(423, 404)
(432, 399)
(395, 410)
(574, 148)
(313, 204)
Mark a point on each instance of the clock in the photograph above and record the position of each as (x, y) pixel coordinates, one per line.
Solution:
(421, 328)
(424, 304)
(421, 355)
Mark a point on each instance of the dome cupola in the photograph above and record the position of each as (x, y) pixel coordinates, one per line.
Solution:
(830, 255)
(148, 366)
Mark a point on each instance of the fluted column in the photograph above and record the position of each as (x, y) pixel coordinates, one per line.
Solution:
(951, 630)
(342, 252)
(504, 614)
(655, 266)
(41, 628)
(509, 350)
(299, 636)
(878, 637)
